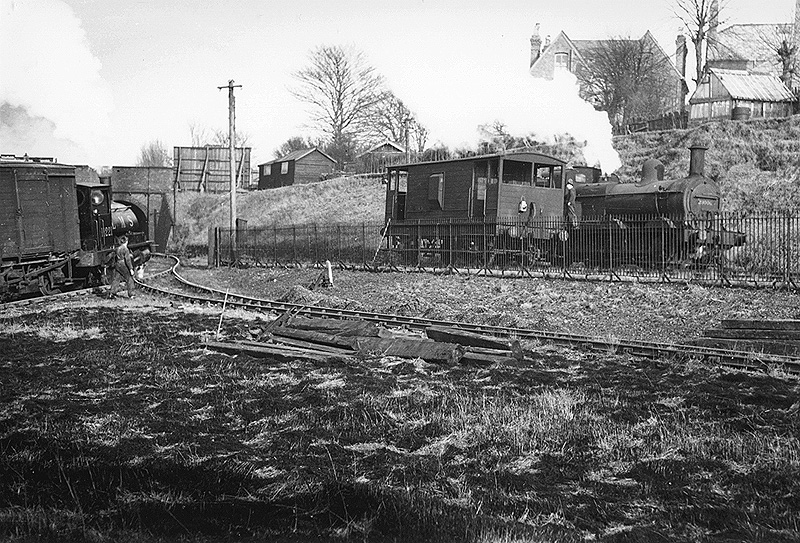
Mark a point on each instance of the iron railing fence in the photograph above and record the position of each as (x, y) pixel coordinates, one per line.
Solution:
(756, 249)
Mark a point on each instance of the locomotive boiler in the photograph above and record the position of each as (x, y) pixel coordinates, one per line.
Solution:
(516, 207)
(56, 232)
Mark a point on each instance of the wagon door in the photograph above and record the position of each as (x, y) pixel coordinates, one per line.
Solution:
(396, 195)
(33, 204)
(548, 190)
(484, 189)
(479, 183)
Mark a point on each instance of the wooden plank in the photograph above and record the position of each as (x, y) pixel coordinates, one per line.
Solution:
(303, 345)
(753, 334)
(314, 337)
(430, 351)
(281, 353)
(471, 339)
(337, 327)
(747, 324)
(297, 344)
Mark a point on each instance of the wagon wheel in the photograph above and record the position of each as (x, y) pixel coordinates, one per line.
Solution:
(46, 285)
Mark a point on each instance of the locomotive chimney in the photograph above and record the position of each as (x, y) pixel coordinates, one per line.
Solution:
(697, 162)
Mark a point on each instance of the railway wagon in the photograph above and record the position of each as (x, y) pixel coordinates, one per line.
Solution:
(526, 207)
(470, 206)
(56, 232)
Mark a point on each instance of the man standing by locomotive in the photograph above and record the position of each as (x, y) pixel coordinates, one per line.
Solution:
(569, 205)
(123, 268)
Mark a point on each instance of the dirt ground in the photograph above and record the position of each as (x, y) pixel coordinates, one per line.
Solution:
(116, 423)
(670, 313)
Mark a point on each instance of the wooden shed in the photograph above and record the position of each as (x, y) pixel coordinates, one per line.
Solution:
(737, 94)
(298, 167)
(378, 157)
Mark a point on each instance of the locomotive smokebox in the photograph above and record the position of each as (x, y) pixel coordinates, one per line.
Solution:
(697, 162)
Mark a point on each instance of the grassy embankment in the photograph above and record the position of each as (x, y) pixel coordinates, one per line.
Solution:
(755, 162)
(116, 425)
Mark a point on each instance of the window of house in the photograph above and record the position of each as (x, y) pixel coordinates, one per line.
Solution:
(284, 167)
(436, 191)
(268, 169)
(562, 61)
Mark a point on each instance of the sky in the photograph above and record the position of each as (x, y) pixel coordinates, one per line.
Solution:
(92, 81)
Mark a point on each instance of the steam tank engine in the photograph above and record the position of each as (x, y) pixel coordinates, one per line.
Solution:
(56, 232)
(692, 196)
(682, 213)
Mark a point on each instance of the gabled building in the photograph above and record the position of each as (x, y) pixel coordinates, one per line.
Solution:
(564, 53)
(376, 158)
(758, 48)
(298, 167)
(738, 94)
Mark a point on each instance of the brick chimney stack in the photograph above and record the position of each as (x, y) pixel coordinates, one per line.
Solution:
(536, 44)
(680, 54)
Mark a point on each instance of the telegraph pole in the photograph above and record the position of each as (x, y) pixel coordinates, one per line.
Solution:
(232, 145)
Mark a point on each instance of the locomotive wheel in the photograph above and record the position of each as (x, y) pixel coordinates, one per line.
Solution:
(46, 285)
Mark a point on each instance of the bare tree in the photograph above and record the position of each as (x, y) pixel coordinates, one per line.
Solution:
(295, 143)
(221, 138)
(391, 120)
(154, 153)
(199, 135)
(341, 89)
(701, 19)
(782, 42)
(628, 79)
(202, 136)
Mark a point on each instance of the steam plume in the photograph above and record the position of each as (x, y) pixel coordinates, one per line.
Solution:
(531, 106)
(53, 99)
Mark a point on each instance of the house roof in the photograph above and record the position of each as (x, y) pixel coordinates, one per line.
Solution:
(585, 48)
(754, 42)
(297, 155)
(749, 86)
(397, 148)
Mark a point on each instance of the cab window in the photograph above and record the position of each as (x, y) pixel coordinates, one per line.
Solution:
(548, 176)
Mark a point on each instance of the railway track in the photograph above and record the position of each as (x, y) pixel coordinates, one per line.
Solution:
(738, 359)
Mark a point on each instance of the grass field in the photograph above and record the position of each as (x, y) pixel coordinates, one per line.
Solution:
(116, 424)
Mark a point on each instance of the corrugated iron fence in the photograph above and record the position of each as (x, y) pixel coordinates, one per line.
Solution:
(726, 249)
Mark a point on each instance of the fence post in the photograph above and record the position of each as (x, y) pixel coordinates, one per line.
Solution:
(363, 242)
(210, 250)
(316, 244)
(274, 244)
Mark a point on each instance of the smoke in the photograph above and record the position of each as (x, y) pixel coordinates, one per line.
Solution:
(52, 97)
(529, 106)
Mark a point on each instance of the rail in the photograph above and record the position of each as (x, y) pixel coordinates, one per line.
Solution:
(744, 360)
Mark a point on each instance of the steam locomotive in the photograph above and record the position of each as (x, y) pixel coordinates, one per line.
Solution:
(530, 208)
(57, 232)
